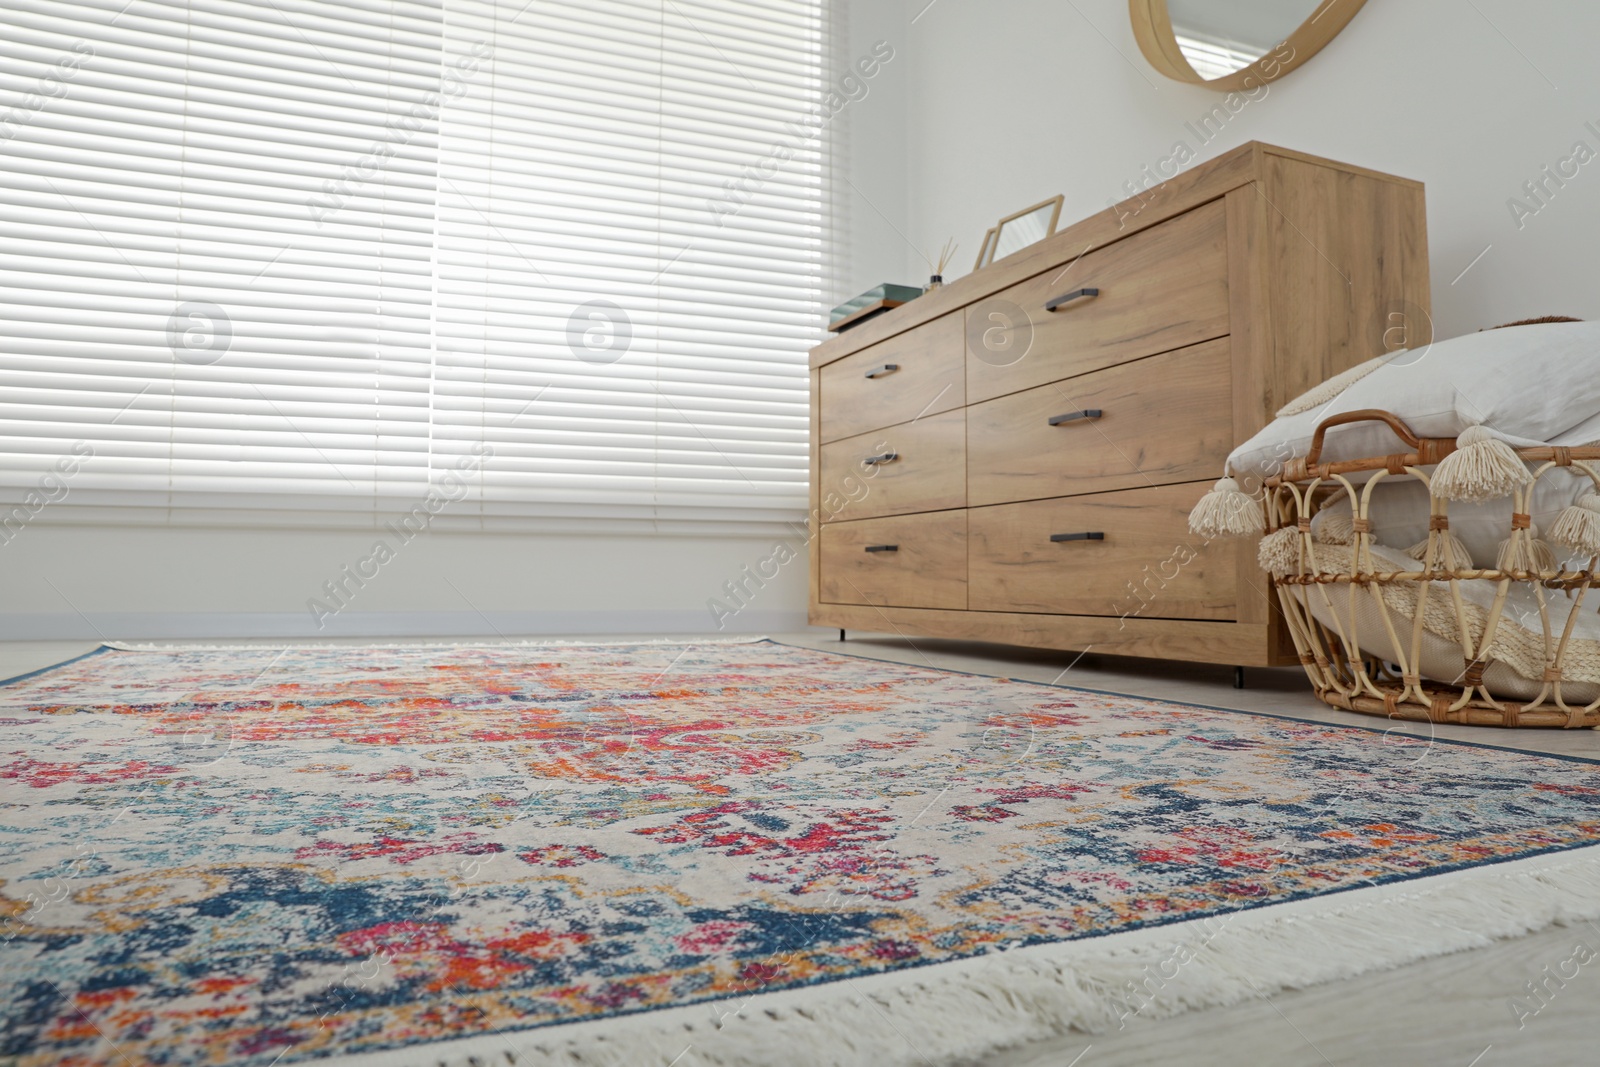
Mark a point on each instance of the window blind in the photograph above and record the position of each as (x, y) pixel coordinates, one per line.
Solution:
(215, 270)
(307, 256)
(630, 254)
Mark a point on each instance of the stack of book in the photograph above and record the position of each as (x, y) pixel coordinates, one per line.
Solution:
(874, 301)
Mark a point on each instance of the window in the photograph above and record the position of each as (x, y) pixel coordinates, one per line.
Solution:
(308, 258)
(630, 254)
(183, 293)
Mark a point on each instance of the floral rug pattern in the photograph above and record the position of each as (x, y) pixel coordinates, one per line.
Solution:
(250, 857)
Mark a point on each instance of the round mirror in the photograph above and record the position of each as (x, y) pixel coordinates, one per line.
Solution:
(1235, 44)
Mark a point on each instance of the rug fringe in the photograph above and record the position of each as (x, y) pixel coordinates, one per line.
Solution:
(955, 1012)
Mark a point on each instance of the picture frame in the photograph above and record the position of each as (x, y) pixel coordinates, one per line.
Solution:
(1021, 229)
(984, 249)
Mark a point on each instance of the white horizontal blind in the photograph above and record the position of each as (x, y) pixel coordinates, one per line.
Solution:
(237, 264)
(630, 252)
(215, 249)
(1212, 57)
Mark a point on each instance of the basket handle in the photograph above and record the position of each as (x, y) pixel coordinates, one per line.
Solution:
(1400, 429)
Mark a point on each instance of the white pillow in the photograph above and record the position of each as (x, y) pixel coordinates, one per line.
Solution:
(1400, 509)
(1526, 385)
(1518, 653)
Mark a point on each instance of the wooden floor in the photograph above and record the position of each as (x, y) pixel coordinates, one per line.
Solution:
(1452, 1011)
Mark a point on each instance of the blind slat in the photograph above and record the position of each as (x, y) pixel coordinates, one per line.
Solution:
(313, 256)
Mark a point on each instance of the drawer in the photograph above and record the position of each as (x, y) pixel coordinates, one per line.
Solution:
(926, 568)
(1147, 563)
(1166, 418)
(859, 393)
(928, 471)
(1158, 290)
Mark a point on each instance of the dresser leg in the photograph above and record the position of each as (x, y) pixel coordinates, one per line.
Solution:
(1238, 677)
(841, 633)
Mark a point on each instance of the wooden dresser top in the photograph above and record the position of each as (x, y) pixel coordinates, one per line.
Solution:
(1191, 188)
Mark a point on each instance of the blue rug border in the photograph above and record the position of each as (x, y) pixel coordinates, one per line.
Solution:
(56, 666)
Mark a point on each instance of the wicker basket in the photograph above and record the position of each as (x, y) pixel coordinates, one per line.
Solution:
(1354, 593)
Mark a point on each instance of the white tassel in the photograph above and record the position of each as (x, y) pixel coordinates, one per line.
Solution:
(1334, 527)
(1482, 467)
(1279, 554)
(1579, 526)
(1458, 549)
(1226, 511)
(1526, 553)
(972, 1009)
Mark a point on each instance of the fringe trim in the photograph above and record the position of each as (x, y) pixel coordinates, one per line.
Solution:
(956, 1012)
(1227, 511)
(1481, 468)
(1279, 552)
(274, 644)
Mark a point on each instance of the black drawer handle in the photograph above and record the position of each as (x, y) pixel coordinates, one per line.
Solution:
(1074, 416)
(883, 548)
(1087, 535)
(887, 457)
(879, 372)
(1077, 294)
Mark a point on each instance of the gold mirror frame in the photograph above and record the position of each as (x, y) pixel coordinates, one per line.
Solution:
(1152, 28)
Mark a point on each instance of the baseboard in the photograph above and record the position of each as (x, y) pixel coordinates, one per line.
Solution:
(134, 625)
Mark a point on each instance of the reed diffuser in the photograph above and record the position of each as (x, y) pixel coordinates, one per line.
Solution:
(936, 275)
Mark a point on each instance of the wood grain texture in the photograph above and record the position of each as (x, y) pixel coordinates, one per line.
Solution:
(1199, 185)
(1295, 266)
(1179, 639)
(814, 493)
(1152, 28)
(930, 379)
(1343, 255)
(1335, 164)
(927, 569)
(1252, 351)
(1166, 418)
(1163, 289)
(1148, 564)
(928, 473)
(1190, 189)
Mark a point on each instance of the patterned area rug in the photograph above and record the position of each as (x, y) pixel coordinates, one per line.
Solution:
(758, 853)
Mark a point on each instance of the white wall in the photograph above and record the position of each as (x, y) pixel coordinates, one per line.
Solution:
(89, 581)
(873, 184)
(987, 105)
(1012, 101)
(108, 582)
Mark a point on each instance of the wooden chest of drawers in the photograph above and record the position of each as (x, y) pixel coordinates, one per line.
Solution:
(1013, 457)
